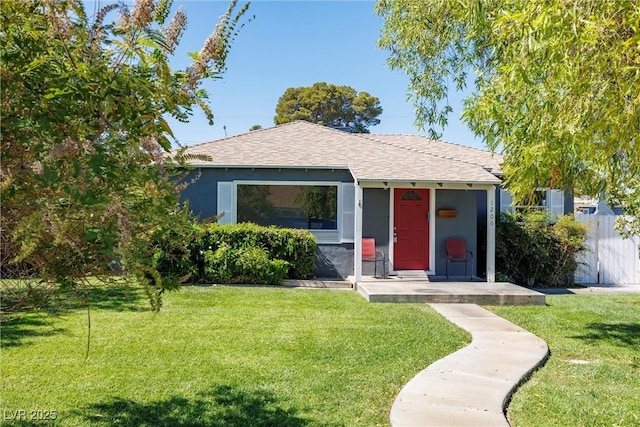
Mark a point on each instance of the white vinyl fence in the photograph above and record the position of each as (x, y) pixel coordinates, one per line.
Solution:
(609, 259)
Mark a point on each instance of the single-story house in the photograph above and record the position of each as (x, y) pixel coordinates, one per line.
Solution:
(408, 192)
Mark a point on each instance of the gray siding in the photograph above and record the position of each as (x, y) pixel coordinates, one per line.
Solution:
(334, 261)
(463, 226)
(569, 207)
(480, 253)
(203, 194)
(375, 223)
(337, 260)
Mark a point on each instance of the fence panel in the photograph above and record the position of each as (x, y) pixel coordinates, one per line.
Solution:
(609, 259)
(587, 271)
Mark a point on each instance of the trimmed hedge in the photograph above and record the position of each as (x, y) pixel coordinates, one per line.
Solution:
(243, 253)
(249, 265)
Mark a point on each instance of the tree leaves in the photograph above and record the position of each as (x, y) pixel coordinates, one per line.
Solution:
(329, 105)
(556, 89)
(86, 181)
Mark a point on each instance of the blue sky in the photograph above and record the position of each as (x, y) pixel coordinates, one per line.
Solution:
(292, 44)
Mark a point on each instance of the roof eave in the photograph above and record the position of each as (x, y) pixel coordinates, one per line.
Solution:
(430, 181)
(236, 166)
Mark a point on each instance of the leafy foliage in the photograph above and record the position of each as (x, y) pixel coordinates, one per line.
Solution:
(86, 182)
(319, 201)
(557, 86)
(329, 105)
(239, 253)
(296, 247)
(253, 204)
(532, 251)
(250, 265)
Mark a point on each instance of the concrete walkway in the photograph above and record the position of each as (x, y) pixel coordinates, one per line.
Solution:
(472, 386)
(593, 289)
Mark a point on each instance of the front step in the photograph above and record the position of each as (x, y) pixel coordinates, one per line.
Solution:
(408, 291)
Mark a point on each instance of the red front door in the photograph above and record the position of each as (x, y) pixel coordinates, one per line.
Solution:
(411, 229)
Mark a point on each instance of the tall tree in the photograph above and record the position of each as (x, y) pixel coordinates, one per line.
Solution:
(329, 105)
(557, 85)
(85, 180)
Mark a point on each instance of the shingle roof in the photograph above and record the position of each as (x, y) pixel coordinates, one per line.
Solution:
(370, 157)
(446, 150)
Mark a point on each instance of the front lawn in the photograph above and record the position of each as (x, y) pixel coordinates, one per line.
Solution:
(593, 375)
(219, 356)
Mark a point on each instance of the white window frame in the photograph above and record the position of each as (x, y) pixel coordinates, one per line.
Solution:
(553, 201)
(322, 236)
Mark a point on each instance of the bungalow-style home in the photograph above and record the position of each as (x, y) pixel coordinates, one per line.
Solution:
(408, 192)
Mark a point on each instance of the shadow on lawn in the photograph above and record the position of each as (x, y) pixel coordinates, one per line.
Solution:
(24, 328)
(620, 334)
(221, 406)
(28, 312)
(118, 296)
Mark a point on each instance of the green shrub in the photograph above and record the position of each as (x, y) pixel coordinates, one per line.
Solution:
(254, 266)
(219, 266)
(162, 260)
(242, 253)
(296, 247)
(249, 265)
(172, 256)
(531, 250)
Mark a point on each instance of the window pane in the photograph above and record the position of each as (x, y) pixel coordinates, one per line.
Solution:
(537, 201)
(410, 195)
(293, 206)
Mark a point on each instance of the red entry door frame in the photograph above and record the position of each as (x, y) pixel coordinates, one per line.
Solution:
(411, 229)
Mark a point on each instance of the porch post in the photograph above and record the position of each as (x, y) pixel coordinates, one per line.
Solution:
(491, 234)
(357, 236)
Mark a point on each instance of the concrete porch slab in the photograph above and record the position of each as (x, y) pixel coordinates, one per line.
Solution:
(425, 291)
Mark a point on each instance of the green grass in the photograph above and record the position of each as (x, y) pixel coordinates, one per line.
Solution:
(220, 356)
(593, 375)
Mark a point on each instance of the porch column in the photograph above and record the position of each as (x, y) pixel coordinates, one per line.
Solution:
(357, 236)
(491, 234)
